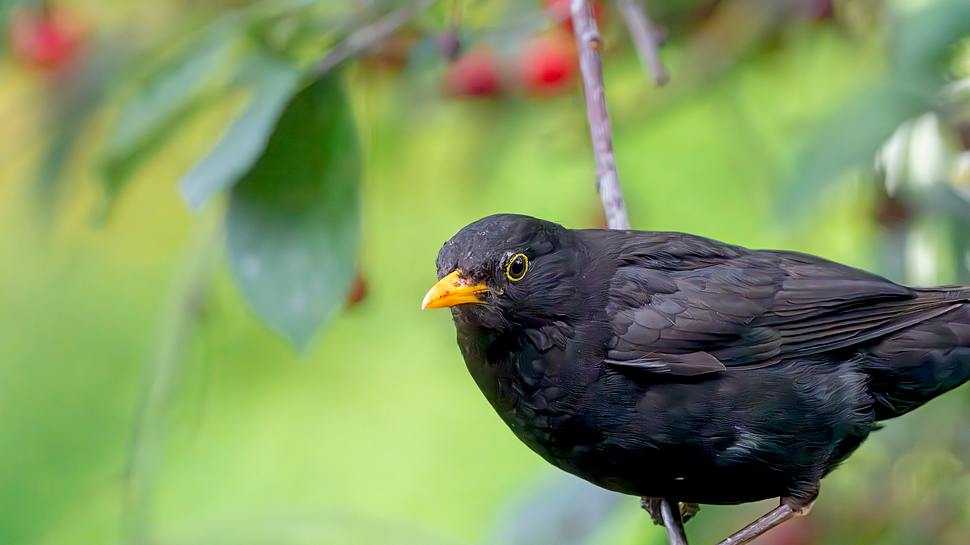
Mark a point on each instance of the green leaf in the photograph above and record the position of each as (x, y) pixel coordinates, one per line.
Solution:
(847, 139)
(163, 100)
(923, 39)
(293, 219)
(274, 81)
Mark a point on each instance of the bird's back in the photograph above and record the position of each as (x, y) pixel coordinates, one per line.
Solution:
(682, 305)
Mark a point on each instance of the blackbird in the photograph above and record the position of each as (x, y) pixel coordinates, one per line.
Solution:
(667, 365)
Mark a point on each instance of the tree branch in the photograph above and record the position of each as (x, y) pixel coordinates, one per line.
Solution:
(591, 66)
(366, 37)
(646, 36)
(589, 43)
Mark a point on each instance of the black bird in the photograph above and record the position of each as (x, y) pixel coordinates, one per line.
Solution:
(666, 365)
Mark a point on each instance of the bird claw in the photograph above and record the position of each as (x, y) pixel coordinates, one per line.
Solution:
(688, 510)
(652, 507)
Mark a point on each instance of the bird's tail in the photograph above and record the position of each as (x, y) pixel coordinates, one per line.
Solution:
(916, 364)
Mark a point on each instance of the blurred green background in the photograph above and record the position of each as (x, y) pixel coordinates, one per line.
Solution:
(142, 400)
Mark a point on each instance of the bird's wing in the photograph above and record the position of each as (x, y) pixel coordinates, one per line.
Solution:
(712, 309)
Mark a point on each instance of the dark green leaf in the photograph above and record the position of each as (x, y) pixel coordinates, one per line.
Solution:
(163, 100)
(274, 81)
(293, 219)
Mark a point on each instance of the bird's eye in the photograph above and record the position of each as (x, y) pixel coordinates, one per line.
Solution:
(516, 268)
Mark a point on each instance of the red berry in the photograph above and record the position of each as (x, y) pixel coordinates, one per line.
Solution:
(561, 11)
(548, 65)
(474, 74)
(44, 39)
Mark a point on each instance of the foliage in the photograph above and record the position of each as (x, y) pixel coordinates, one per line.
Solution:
(292, 219)
(224, 104)
(922, 42)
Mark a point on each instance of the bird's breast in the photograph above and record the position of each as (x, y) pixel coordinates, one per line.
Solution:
(536, 389)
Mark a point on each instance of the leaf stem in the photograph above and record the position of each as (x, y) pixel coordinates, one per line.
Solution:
(162, 376)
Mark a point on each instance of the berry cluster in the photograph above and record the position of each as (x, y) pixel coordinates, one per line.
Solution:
(545, 65)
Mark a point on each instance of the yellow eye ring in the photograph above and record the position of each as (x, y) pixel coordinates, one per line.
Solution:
(516, 267)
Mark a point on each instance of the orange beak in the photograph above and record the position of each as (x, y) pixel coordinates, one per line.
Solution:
(453, 290)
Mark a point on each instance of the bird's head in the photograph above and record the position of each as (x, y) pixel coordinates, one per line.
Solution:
(507, 271)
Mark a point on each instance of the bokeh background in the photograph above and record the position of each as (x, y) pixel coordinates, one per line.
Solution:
(160, 386)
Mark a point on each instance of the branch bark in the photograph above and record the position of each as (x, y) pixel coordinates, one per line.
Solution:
(590, 43)
(646, 36)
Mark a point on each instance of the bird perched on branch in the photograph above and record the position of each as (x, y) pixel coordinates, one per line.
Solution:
(666, 365)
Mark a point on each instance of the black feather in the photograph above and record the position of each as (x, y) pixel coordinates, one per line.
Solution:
(670, 365)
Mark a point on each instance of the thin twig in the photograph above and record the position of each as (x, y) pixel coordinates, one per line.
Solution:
(162, 377)
(646, 36)
(607, 180)
(366, 37)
